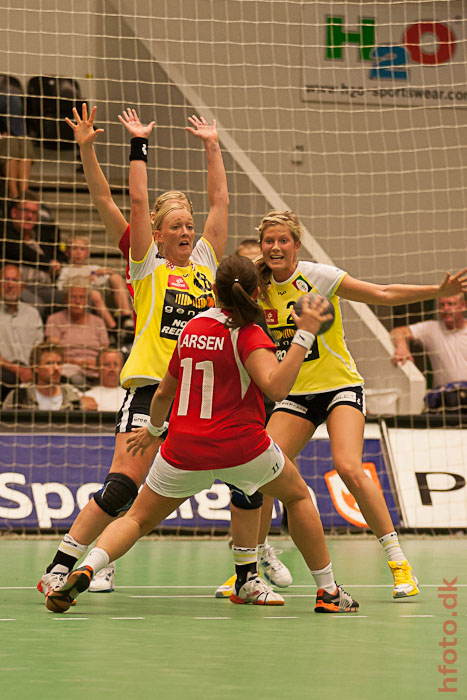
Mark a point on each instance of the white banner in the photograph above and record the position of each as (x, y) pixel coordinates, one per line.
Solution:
(386, 53)
(430, 470)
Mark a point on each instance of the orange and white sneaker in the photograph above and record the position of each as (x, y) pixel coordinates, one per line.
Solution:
(50, 581)
(256, 592)
(405, 582)
(60, 599)
(338, 602)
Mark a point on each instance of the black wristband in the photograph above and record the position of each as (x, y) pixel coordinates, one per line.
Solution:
(139, 149)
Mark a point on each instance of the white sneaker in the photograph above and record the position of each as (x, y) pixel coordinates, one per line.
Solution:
(103, 581)
(273, 569)
(51, 581)
(257, 592)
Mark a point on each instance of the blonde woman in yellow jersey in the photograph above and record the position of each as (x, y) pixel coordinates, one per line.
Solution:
(329, 387)
(172, 282)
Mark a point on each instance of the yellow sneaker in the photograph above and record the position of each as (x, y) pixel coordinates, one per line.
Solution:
(405, 582)
(225, 591)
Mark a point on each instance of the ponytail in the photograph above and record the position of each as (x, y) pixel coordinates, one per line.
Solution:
(236, 281)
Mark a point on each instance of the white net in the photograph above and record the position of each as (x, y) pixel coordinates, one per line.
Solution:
(353, 114)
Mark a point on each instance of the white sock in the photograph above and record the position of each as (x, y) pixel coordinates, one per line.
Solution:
(324, 578)
(392, 548)
(97, 559)
(71, 547)
(244, 555)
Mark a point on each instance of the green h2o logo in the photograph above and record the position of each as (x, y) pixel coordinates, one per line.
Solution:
(390, 61)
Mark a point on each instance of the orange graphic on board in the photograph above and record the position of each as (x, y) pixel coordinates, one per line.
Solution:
(344, 502)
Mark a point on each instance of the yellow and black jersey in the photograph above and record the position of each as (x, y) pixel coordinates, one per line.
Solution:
(166, 298)
(328, 364)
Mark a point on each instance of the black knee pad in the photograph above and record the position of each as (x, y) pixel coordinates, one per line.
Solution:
(117, 494)
(240, 499)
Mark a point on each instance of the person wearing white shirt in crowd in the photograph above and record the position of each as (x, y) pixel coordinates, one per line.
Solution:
(108, 394)
(45, 392)
(20, 329)
(444, 340)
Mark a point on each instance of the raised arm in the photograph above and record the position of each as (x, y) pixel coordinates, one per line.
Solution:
(394, 294)
(86, 136)
(215, 229)
(140, 221)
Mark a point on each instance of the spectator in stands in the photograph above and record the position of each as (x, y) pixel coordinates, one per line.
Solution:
(108, 394)
(444, 340)
(249, 248)
(20, 329)
(101, 280)
(16, 149)
(35, 248)
(45, 392)
(82, 334)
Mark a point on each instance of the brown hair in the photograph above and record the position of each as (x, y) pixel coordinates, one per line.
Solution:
(275, 218)
(37, 351)
(236, 280)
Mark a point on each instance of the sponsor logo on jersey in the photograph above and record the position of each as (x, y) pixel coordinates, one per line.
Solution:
(302, 285)
(283, 336)
(344, 502)
(178, 309)
(271, 316)
(201, 281)
(177, 282)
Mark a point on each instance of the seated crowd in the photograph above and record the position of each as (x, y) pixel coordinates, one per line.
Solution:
(62, 319)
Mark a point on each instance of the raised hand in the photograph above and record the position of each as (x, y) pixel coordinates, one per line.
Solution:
(453, 284)
(85, 133)
(139, 439)
(200, 128)
(131, 122)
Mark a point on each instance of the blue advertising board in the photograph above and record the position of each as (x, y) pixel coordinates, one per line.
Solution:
(45, 479)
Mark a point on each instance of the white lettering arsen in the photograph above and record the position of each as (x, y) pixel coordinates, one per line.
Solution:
(203, 342)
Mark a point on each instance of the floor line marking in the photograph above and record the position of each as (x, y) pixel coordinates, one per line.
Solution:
(281, 617)
(7, 619)
(213, 586)
(127, 618)
(212, 618)
(172, 596)
(70, 617)
(350, 616)
(416, 616)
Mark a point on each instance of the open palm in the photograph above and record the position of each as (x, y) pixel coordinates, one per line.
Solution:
(131, 122)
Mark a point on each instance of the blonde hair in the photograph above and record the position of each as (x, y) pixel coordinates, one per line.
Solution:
(276, 218)
(172, 196)
(287, 218)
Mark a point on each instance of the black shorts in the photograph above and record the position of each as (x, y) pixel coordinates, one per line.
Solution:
(135, 409)
(317, 407)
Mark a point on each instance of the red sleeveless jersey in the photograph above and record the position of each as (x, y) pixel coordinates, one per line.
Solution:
(217, 420)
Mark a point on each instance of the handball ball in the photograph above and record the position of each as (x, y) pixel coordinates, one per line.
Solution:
(326, 325)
